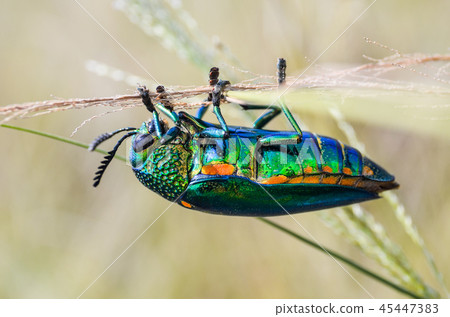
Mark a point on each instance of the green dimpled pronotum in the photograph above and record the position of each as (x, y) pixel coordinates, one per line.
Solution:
(165, 171)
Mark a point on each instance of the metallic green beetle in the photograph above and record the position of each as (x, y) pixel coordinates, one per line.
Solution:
(241, 171)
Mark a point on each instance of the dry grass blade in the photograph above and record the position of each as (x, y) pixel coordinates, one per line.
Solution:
(356, 77)
(125, 101)
(177, 30)
(360, 228)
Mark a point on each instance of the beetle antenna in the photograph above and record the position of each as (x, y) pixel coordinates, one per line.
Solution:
(105, 136)
(108, 158)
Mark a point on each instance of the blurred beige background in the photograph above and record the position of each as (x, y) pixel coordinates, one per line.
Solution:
(58, 233)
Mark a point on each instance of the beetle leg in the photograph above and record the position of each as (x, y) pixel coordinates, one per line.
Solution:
(281, 71)
(291, 119)
(281, 74)
(273, 111)
(145, 96)
(144, 93)
(216, 96)
(170, 135)
(157, 124)
(201, 111)
(265, 118)
(164, 105)
(213, 133)
(280, 139)
(169, 113)
(213, 80)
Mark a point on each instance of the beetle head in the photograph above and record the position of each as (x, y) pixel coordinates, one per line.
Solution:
(147, 140)
(146, 136)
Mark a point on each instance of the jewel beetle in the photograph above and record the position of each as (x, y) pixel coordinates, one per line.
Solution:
(244, 171)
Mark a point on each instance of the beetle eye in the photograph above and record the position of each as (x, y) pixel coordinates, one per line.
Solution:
(142, 141)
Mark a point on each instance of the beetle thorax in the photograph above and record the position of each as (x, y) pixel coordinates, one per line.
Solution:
(165, 170)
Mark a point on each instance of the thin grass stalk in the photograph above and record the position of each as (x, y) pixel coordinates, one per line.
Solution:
(177, 30)
(413, 233)
(389, 248)
(372, 239)
(341, 258)
(58, 138)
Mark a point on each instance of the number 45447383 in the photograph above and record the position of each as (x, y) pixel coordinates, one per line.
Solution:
(409, 308)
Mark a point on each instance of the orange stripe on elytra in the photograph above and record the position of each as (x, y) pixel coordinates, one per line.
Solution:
(185, 204)
(308, 170)
(330, 180)
(347, 171)
(367, 171)
(327, 169)
(279, 179)
(313, 179)
(218, 169)
(209, 170)
(348, 181)
(224, 169)
(296, 180)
